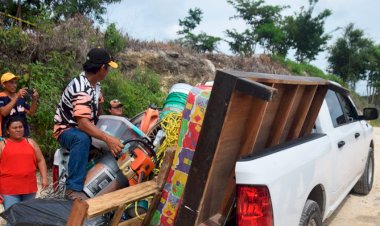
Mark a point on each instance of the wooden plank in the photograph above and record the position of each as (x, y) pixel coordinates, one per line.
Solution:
(254, 122)
(110, 201)
(78, 213)
(337, 88)
(215, 220)
(208, 140)
(292, 114)
(133, 222)
(256, 89)
(161, 179)
(268, 121)
(302, 111)
(117, 216)
(283, 79)
(313, 113)
(282, 115)
(165, 167)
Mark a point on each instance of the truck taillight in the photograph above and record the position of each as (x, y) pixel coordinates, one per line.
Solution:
(55, 172)
(253, 206)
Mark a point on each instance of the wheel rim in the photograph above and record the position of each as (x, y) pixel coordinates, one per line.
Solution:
(312, 222)
(370, 172)
(153, 131)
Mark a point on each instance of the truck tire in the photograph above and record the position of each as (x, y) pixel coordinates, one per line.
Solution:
(311, 214)
(364, 184)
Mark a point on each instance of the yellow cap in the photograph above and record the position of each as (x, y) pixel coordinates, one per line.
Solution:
(7, 77)
(112, 64)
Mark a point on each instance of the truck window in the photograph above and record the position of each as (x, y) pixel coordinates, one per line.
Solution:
(348, 108)
(335, 109)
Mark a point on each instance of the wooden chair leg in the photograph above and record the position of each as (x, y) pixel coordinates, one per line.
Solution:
(78, 213)
(117, 216)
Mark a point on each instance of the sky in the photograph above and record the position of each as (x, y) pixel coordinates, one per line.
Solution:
(158, 19)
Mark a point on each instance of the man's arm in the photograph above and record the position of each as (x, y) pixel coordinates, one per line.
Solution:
(114, 144)
(6, 110)
(33, 107)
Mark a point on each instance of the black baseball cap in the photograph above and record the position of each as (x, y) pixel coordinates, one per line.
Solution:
(100, 56)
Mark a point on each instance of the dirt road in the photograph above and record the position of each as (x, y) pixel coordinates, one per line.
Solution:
(361, 210)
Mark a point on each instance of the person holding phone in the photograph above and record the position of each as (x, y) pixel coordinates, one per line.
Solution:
(13, 102)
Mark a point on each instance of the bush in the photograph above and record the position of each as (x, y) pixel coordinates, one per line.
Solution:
(136, 93)
(303, 68)
(49, 80)
(113, 39)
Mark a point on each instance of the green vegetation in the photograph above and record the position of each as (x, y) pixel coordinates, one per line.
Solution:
(306, 33)
(56, 9)
(137, 93)
(202, 42)
(264, 27)
(113, 39)
(307, 69)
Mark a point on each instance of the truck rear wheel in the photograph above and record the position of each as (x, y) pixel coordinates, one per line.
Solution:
(364, 185)
(311, 214)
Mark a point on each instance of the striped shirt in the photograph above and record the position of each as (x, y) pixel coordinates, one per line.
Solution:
(79, 99)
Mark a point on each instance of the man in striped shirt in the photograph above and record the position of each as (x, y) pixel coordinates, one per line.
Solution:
(76, 116)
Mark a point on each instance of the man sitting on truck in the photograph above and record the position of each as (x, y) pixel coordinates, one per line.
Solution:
(76, 116)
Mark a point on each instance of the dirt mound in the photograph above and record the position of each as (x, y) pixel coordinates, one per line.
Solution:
(193, 68)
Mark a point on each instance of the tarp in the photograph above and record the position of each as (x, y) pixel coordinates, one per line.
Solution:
(44, 212)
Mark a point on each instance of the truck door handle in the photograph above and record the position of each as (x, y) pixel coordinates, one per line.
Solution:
(341, 144)
(357, 135)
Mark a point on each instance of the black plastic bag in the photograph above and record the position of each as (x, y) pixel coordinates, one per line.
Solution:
(45, 212)
(41, 212)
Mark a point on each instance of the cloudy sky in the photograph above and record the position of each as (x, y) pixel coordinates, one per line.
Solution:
(158, 19)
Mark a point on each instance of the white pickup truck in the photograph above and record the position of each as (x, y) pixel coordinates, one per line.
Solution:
(303, 181)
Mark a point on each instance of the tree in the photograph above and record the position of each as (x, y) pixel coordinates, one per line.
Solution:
(349, 57)
(60, 9)
(25, 10)
(373, 82)
(243, 43)
(201, 42)
(113, 39)
(93, 9)
(264, 28)
(306, 33)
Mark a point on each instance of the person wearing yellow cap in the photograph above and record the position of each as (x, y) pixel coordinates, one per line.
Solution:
(13, 103)
(76, 115)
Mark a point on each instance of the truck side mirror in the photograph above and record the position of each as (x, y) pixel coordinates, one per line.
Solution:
(370, 114)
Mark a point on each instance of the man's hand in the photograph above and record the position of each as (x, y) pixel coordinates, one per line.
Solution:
(22, 92)
(114, 145)
(35, 94)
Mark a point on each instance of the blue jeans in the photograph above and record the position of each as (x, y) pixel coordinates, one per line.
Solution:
(9, 200)
(78, 143)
